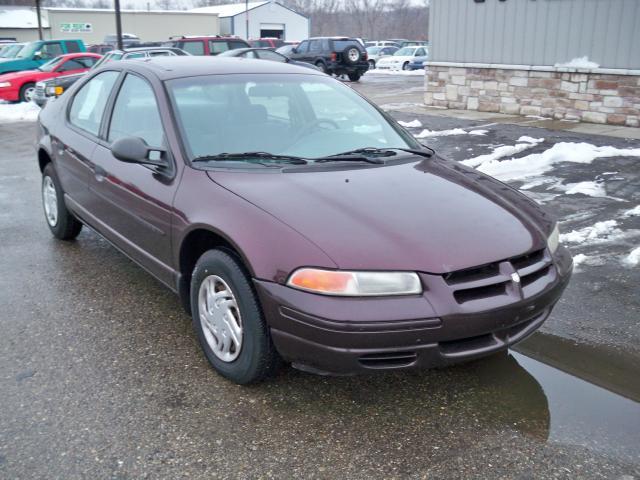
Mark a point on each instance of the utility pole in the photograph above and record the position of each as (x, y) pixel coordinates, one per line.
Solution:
(246, 14)
(118, 24)
(39, 20)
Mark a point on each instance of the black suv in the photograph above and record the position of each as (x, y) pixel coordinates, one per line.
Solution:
(334, 55)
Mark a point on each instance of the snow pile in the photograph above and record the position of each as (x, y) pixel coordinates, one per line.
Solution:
(600, 232)
(377, 71)
(18, 112)
(446, 133)
(503, 151)
(539, 163)
(634, 212)
(591, 189)
(578, 259)
(412, 124)
(579, 62)
(633, 258)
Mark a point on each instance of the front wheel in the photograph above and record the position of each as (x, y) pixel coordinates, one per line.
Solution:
(27, 91)
(61, 221)
(405, 66)
(372, 64)
(228, 319)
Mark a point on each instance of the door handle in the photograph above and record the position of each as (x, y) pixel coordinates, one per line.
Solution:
(100, 173)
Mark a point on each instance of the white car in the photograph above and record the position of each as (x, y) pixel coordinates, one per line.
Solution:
(401, 59)
(376, 53)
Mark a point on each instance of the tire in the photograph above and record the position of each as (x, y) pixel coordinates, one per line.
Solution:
(61, 222)
(354, 77)
(372, 64)
(351, 55)
(405, 66)
(322, 66)
(26, 92)
(237, 307)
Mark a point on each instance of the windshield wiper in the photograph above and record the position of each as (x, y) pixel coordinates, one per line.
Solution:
(249, 155)
(370, 155)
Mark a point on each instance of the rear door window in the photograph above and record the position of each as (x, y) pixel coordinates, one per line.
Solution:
(72, 47)
(88, 104)
(194, 48)
(315, 46)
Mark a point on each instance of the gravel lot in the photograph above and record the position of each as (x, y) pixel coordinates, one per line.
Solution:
(101, 375)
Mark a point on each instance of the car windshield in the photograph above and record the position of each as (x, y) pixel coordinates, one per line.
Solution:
(406, 52)
(309, 116)
(107, 58)
(10, 51)
(50, 65)
(373, 50)
(28, 50)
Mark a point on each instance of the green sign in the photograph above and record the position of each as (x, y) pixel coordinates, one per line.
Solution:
(76, 28)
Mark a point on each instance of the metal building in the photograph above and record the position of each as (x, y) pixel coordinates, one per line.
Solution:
(536, 32)
(266, 19)
(563, 59)
(92, 25)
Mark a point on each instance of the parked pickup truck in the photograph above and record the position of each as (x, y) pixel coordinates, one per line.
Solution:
(38, 53)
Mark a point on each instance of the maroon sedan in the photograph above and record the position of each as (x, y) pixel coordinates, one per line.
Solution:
(295, 219)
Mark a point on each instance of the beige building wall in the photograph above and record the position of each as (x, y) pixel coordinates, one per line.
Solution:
(91, 26)
(22, 34)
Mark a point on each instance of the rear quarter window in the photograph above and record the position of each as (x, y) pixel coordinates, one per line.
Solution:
(72, 47)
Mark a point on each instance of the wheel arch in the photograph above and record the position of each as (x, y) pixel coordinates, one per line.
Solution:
(43, 158)
(196, 242)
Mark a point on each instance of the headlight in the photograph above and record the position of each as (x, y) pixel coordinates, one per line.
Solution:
(355, 284)
(554, 239)
(5, 84)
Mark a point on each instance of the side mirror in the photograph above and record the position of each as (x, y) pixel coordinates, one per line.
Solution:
(37, 55)
(136, 150)
(294, 50)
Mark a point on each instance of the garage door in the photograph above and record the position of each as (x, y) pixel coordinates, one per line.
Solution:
(272, 30)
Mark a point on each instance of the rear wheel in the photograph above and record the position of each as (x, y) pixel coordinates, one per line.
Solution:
(354, 77)
(62, 223)
(27, 91)
(228, 319)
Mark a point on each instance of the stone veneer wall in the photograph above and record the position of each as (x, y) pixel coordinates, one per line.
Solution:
(596, 95)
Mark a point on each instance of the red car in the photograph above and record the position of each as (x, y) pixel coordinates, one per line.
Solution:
(20, 86)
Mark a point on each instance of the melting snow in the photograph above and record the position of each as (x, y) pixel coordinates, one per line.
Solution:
(18, 112)
(591, 189)
(446, 133)
(634, 212)
(579, 62)
(503, 151)
(539, 163)
(600, 232)
(412, 124)
(633, 258)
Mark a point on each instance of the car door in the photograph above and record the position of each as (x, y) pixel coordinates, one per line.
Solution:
(72, 66)
(73, 144)
(131, 201)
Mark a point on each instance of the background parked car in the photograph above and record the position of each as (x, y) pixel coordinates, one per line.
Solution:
(376, 53)
(20, 86)
(381, 43)
(334, 55)
(418, 62)
(264, 54)
(208, 45)
(287, 50)
(128, 40)
(272, 43)
(34, 54)
(100, 48)
(57, 86)
(401, 59)
(10, 50)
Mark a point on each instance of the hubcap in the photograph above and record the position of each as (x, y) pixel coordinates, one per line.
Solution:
(220, 318)
(50, 201)
(28, 93)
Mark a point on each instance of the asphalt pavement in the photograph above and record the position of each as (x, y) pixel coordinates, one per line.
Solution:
(101, 375)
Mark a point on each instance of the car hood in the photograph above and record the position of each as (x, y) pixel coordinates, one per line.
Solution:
(432, 216)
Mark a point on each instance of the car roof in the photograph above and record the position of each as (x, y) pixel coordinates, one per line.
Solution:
(143, 49)
(169, 68)
(80, 54)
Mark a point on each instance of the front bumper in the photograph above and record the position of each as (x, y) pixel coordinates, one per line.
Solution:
(332, 335)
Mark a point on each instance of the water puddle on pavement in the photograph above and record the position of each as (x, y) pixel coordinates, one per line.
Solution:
(574, 395)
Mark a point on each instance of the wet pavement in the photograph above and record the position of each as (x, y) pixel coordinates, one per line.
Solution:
(101, 375)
